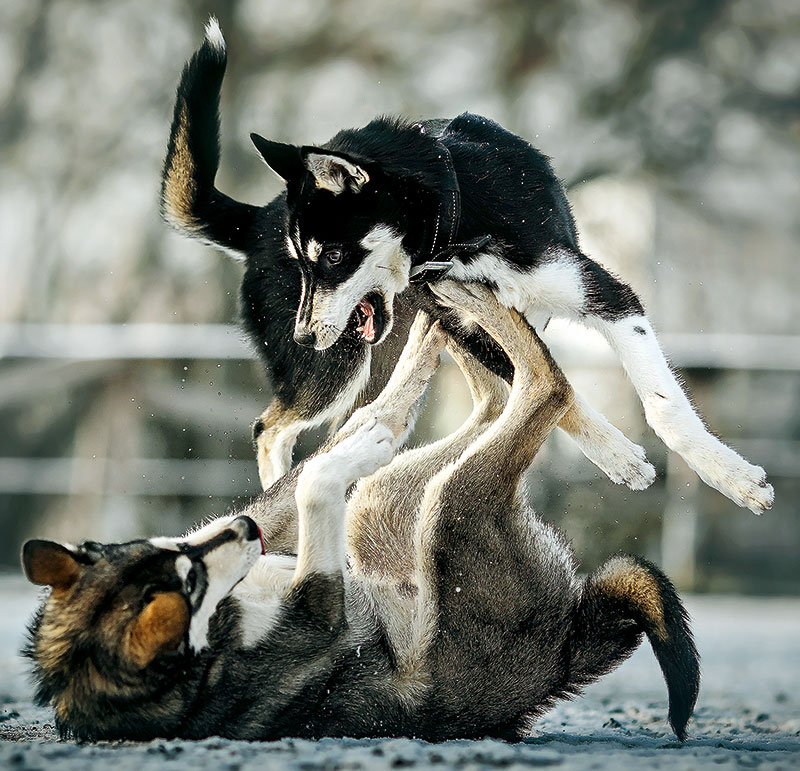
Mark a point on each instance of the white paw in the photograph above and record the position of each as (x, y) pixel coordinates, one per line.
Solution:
(725, 470)
(720, 467)
(623, 461)
(418, 330)
(364, 452)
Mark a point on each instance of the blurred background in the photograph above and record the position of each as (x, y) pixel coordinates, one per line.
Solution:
(126, 389)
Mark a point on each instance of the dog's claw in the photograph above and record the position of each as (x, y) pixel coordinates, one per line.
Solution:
(745, 484)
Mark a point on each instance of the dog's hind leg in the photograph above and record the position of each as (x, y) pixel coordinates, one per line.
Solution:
(619, 601)
(489, 392)
(568, 284)
(495, 584)
(383, 509)
(600, 300)
(672, 417)
(623, 461)
(613, 309)
(540, 396)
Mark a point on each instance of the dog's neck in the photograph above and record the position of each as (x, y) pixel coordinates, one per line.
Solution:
(419, 166)
(444, 226)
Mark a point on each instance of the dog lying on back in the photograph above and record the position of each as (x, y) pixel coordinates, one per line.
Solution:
(429, 602)
(330, 265)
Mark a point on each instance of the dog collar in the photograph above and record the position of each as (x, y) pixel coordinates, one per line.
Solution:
(448, 210)
(437, 258)
(440, 265)
(429, 271)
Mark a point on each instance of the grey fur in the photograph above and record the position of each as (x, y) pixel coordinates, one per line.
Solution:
(428, 599)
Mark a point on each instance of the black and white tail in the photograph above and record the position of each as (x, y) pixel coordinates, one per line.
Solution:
(623, 598)
(189, 200)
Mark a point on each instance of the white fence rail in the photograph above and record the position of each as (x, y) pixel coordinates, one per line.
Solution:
(52, 356)
(574, 346)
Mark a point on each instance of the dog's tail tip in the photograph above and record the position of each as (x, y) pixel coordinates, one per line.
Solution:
(652, 600)
(214, 38)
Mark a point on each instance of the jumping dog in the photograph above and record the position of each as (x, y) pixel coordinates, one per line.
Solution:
(428, 602)
(332, 263)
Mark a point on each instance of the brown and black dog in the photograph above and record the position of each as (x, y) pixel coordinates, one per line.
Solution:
(362, 595)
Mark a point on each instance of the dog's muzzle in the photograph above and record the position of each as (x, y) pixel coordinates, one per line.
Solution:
(305, 336)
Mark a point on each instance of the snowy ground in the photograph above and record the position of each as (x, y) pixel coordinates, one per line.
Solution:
(748, 713)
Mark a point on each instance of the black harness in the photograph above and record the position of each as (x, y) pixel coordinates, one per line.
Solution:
(435, 261)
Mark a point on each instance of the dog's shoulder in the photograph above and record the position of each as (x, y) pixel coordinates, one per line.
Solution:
(484, 138)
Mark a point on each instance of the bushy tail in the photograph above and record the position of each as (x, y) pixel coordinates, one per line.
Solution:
(189, 200)
(625, 597)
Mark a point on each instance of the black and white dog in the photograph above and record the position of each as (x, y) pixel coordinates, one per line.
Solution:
(378, 207)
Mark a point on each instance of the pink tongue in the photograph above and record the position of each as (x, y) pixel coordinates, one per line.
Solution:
(369, 329)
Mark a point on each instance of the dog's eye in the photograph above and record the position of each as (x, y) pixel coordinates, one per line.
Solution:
(191, 581)
(334, 256)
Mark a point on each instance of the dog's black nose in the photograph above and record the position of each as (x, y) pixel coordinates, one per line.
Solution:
(249, 528)
(306, 337)
(258, 429)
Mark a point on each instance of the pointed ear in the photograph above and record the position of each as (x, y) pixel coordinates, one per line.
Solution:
(284, 160)
(334, 172)
(159, 628)
(50, 564)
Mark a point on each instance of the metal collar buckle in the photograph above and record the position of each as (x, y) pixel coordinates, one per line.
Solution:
(427, 271)
(441, 264)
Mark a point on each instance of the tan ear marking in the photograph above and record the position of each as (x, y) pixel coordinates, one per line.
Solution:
(159, 628)
(335, 174)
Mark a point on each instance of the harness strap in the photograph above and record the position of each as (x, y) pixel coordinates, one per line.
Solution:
(435, 260)
(440, 265)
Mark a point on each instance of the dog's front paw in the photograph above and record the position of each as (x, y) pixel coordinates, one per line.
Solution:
(427, 357)
(623, 461)
(364, 452)
(727, 471)
(420, 356)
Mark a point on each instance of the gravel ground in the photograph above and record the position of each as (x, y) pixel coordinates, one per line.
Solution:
(748, 714)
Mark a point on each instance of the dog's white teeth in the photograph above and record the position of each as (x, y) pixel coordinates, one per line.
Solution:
(367, 328)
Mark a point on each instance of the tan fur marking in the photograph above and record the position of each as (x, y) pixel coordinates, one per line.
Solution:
(275, 442)
(55, 641)
(160, 627)
(314, 250)
(626, 580)
(180, 189)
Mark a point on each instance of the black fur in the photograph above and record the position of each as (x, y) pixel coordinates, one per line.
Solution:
(304, 380)
(219, 218)
(608, 628)
(417, 184)
(306, 679)
(424, 193)
(129, 573)
(501, 625)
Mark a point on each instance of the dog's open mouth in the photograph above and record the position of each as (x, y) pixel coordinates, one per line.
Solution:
(370, 319)
(261, 541)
